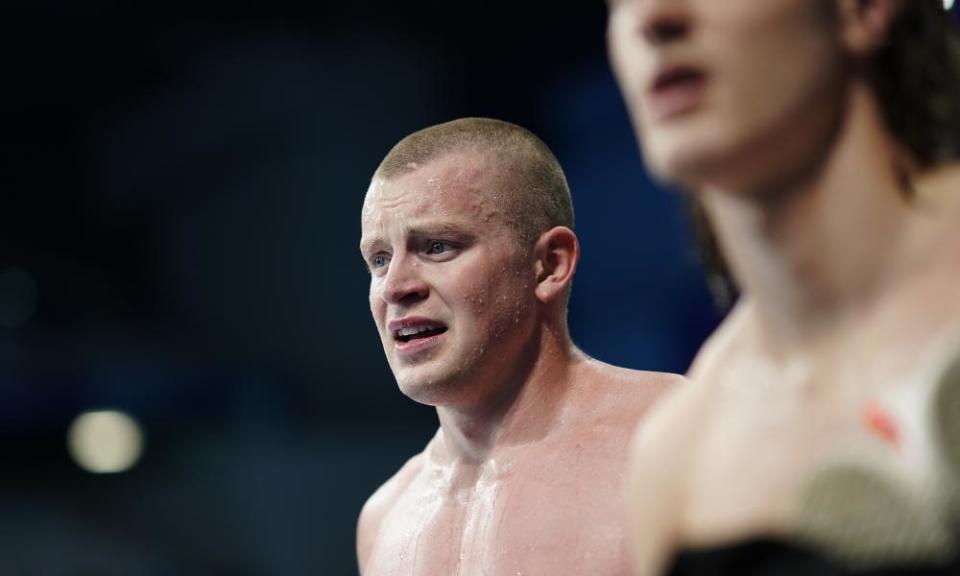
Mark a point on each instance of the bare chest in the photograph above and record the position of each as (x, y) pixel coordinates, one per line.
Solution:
(539, 520)
(754, 453)
(768, 430)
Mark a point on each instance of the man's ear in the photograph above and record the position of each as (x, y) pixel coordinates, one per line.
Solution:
(557, 252)
(865, 24)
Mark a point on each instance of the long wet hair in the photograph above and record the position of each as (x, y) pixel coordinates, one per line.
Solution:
(916, 77)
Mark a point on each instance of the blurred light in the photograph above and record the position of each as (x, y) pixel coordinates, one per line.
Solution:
(18, 297)
(105, 441)
(947, 4)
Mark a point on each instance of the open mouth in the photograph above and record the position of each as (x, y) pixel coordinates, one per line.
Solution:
(676, 91)
(412, 333)
(677, 78)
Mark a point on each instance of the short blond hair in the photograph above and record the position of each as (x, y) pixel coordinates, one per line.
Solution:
(536, 190)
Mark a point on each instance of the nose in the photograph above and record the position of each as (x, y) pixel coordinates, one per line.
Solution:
(662, 21)
(403, 283)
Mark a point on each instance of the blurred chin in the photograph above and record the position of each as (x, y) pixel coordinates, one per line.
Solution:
(678, 162)
(691, 156)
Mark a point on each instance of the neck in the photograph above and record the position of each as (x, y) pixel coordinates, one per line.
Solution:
(809, 252)
(524, 408)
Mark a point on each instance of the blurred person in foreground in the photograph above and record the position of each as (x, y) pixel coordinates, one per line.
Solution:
(819, 139)
(467, 230)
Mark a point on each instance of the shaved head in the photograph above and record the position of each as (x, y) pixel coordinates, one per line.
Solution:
(531, 186)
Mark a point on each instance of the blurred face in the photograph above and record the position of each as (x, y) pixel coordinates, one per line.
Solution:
(728, 93)
(451, 289)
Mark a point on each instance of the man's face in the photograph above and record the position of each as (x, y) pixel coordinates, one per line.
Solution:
(451, 288)
(732, 90)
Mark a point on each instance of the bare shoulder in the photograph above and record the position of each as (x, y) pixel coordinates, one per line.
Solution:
(381, 502)
(663, 451)
(614, 390)
(660, 454)
(655, 382)
(681, 415)
(664, 440)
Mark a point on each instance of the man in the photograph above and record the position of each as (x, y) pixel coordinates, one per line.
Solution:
(820, 138)
(467, 233)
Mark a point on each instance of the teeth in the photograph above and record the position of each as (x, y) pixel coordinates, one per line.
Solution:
(410, 331)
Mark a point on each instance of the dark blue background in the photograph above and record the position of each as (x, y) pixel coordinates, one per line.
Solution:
(182, 182)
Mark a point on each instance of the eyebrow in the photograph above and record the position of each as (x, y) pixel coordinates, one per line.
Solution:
(436, 229)
(420, 230)
(369, 245)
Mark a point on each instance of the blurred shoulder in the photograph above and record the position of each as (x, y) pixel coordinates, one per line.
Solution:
(381, 502)
(663, 452)
(728, 340)
(660, 457)
(666, 441)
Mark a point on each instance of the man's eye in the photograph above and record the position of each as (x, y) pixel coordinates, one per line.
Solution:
(437, 247)
(378, 261)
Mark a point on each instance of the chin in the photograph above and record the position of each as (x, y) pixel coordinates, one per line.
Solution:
(681, 165)
(424, 386)
(692, 157)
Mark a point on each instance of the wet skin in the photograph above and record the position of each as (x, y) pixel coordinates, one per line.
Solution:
(549, 505)
(525, 474)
